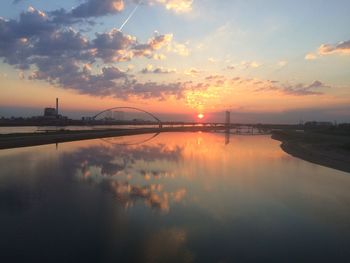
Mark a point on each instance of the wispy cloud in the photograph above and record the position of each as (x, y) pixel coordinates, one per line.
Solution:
(310, 56)
(192, 72)
(250, 64)
(315, 88)
(157, 70)
(342, 48)
(282, 63)
(213, 60)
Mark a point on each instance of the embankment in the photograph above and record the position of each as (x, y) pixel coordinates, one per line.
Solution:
(323, 149)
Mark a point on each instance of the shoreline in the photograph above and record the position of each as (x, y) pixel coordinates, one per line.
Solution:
(315, 148)
(321, 149)
(10, 141)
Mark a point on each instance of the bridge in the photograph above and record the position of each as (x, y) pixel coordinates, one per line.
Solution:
(130, 108)
(227, 128)
(171, 124)
(160, 123)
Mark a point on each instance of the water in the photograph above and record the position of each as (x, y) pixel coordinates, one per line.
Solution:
(36, 129)
(33, 129)
(177, 197)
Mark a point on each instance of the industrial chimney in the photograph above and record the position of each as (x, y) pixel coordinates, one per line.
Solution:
(57, 107)
(228, 119)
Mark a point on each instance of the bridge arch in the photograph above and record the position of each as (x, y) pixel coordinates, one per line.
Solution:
(131, 108)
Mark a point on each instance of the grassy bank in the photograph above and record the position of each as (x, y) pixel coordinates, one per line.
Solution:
(327, 148)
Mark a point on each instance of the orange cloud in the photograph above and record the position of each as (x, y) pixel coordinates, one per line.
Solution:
(179, 6)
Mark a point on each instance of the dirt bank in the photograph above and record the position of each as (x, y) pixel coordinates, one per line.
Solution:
(323, 149)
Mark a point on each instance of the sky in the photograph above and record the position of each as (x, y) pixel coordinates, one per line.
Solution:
(265, 61)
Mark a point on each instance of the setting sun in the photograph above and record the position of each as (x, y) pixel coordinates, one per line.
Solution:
(200, 116)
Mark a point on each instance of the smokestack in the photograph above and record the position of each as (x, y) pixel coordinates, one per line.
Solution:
(57, 107)
(228, 119)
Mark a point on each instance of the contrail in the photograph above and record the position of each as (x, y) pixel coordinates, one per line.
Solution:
(130, 16)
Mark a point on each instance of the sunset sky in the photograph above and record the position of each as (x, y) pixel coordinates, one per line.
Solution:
(265, 61)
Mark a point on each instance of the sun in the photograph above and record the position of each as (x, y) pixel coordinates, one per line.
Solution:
(200, 116)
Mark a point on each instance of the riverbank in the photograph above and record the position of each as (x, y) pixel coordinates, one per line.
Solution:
(8, 141)
(330, 150)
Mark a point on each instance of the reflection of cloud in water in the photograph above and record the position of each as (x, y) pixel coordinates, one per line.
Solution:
(114, 159)
(117, 169)
(168, 245)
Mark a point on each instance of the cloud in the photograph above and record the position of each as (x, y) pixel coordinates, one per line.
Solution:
(114, 46)
(310, 56)
(192, 72)
(21, 75)
(179, 6)
(88, 9)
(218, 80)
(315, 88)
(340, 48)
(212, 60)
(305, 90)
(16, 36)
(213, 90)
(94, 8)
(178, 48)
(53, 51)
(282, 63)
(64, 57)
(155, 43)
(158, 70)
(59, 42)
(158, 90)
(67, 73)
(250, 64)
(159, 57)
(111, 81)
(158, 41)
(215, 77)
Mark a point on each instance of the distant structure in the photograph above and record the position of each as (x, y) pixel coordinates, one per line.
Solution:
(314, 124)
(57, 107)
(227, 124)
(228, 119)
(87, 119)
(53, 113)
(50, 113)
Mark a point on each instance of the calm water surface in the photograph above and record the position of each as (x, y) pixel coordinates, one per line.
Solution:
(177, 197)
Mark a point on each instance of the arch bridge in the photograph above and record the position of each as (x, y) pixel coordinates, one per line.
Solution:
(130, 108)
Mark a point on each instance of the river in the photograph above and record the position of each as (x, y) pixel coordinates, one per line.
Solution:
(175, 197)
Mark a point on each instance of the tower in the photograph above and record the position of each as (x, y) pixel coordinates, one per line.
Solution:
(57, 107)
(227, 125)
(228, 119)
